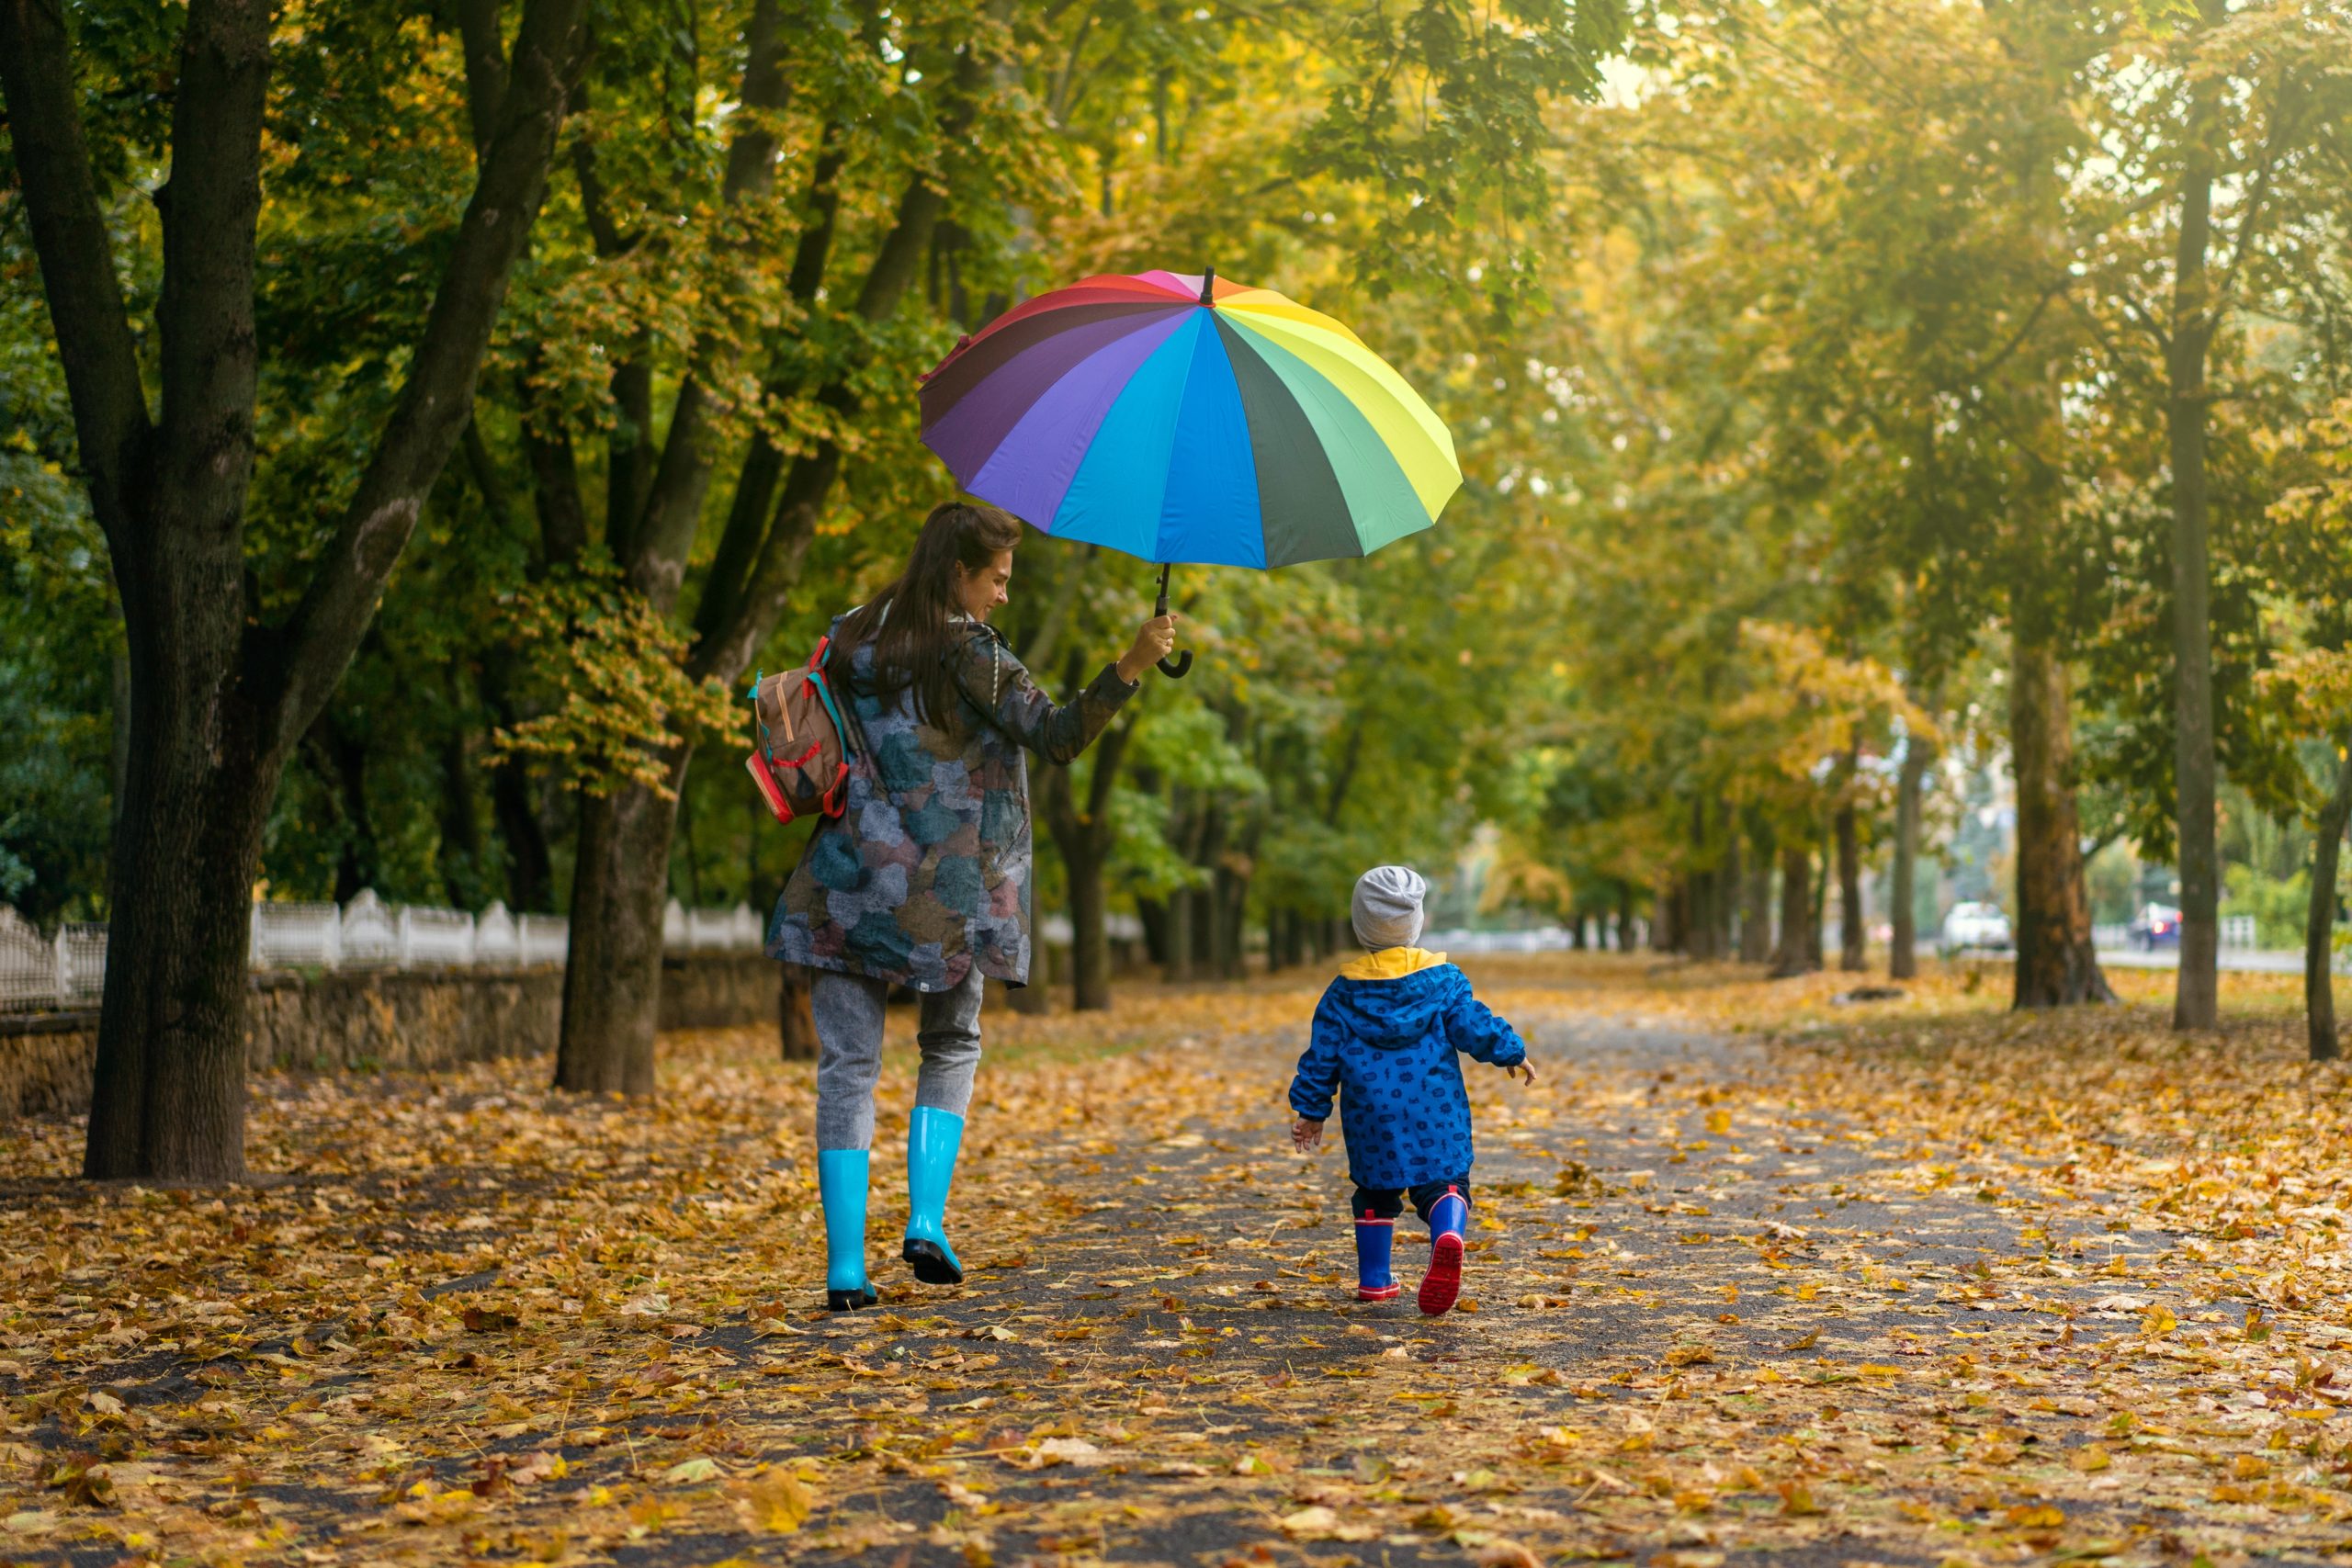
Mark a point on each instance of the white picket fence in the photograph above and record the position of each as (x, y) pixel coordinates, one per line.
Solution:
(69, 969)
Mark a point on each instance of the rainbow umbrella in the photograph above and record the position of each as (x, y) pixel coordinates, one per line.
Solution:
(1186, 419)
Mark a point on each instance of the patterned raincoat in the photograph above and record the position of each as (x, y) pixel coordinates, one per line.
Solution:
(1386, 1040)
(926, 871)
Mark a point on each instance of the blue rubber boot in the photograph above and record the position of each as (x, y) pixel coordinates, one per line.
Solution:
(933, 1138)
(1448, 1217)
(1375, 1237)
(841, 1186)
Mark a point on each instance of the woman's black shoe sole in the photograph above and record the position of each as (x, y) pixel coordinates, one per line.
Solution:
(849, 1301)
(930, 1262)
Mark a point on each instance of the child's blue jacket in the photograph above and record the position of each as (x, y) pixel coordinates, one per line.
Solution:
(1384, 1039)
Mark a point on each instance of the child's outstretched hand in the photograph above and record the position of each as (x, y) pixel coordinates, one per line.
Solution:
(1305, 1134)
(1525, 1070)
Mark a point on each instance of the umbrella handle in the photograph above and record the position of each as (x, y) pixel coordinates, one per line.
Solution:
(1177, 668)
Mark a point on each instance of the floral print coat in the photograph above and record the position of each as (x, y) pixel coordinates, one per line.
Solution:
(926, 872)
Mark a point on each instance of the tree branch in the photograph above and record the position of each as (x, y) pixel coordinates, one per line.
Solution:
(209, 357)
(1049, 630)
(755, 481)
(2283, 117)
(672, 513)
(737, 629)
(1109, 753)
(436, 399)
(69, 229)
(485, 51)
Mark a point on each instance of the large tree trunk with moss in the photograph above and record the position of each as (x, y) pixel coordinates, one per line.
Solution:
(612, 979)
(1903, 944)
(169, 1095)
(2056, 965)
(2319, 929)
(220, 694)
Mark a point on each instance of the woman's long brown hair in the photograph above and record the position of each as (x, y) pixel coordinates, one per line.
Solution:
(911, 623)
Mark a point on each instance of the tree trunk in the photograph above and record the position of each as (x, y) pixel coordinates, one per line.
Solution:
(168, 1097)
(611, 1045)
(1756, 899)
(1179, 962)
(2319, 932)
(2056, 966)
(1853, 932)
(218, 698)
(1795, 955)
(1728, 877)
(796, 1021)
(1153, 913)
(612, 980)
(1211, 942)
(1083, 838)
(1232, 895)
(1035, 998)
(1819, 912)
(1089, 944)
(1903, 954)
(2196, 999)
(530, 874)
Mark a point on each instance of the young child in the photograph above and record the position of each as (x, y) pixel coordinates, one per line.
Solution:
(1385, 1037)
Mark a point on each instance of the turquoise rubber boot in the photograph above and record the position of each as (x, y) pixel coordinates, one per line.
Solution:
(841, 1184)
(933, 1136)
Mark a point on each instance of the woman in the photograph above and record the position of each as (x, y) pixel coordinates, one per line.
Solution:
(923, 879)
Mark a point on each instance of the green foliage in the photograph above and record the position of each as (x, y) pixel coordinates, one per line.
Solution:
(606, 670)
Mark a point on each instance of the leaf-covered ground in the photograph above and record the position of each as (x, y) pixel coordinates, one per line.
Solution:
(1756, 1276)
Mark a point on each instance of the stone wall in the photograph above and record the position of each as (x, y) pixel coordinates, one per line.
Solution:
(366, 1021)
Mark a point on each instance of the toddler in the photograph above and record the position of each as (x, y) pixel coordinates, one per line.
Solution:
(1385, 1038)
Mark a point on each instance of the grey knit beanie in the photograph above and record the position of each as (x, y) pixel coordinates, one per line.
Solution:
(1387, 907)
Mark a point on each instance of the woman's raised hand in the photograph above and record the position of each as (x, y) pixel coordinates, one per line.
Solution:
(1154, 639)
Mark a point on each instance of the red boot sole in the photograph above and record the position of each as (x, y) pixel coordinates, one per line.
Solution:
(1442, 1283)
(1385, 1294)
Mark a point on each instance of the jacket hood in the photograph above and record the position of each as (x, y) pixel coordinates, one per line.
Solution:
(1395, 999)
(1391, 964)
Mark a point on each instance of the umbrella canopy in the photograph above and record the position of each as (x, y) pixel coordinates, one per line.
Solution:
(1183, 418)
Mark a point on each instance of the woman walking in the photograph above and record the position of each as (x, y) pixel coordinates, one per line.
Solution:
(923, 879)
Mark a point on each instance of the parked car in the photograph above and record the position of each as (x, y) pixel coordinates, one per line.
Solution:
(1977, 926)
(2155, 926)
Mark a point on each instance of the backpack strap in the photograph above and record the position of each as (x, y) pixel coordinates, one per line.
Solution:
(845, 723)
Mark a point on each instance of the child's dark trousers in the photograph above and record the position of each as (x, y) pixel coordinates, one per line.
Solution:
(1388, 1203)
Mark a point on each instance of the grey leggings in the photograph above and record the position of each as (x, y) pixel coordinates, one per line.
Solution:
(849, 1055)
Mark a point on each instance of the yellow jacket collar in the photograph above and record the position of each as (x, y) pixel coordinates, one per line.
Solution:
(1391, 964)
